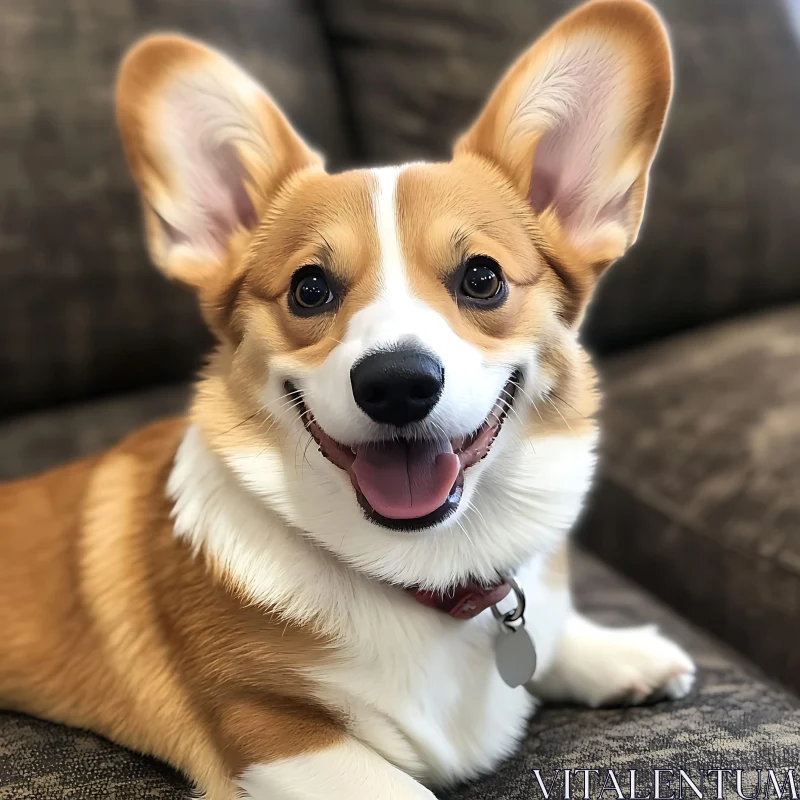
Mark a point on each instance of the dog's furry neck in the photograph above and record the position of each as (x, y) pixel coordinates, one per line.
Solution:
(281, 567)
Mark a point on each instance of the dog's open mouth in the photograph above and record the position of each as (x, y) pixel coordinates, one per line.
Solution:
(410, 484)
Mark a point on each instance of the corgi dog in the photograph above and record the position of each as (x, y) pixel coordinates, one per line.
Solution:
(332, 577)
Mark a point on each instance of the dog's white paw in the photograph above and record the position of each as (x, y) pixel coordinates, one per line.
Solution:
(599, 666)
(635, 665)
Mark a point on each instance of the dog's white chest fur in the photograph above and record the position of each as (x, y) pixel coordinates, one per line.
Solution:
(426, 694)
(419, 691)
(423, 689)
(420, 688)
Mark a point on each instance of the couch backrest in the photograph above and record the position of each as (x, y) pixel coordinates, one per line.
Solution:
(722, 232)
(82, 311)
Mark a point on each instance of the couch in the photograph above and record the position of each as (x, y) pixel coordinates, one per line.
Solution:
(695, 518)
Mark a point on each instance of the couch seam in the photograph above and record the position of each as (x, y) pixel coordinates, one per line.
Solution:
(355, 144)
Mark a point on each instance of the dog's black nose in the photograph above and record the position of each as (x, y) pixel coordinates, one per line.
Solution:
(397, 386)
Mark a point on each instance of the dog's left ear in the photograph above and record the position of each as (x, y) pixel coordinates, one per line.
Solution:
(575, 123)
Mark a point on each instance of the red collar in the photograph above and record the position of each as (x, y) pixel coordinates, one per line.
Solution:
(462, 602)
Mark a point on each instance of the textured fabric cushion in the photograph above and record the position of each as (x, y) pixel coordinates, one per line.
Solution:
(43, 439)
(732, 720)
(699, 494)
(720, 234)
(42, 761)
(81, 309)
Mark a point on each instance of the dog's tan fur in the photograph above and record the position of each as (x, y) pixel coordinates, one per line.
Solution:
(111, 623)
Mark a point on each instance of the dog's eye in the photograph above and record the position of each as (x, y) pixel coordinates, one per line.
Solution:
(482, 279)
(310, 291)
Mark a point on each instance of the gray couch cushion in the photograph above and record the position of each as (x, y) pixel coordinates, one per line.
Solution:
(720, 234)
(43, 439)
(81, 309)
(734, 719)
(698, 497)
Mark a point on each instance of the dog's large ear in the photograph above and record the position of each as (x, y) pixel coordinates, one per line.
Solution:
(207, 147)
(576, 121)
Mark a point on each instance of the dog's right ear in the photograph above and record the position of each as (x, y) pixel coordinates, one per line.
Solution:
(575, 123)
(208, 149)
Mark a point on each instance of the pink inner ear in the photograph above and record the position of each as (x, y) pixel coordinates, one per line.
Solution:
(576, 100)
(225, 200)
(200, 133)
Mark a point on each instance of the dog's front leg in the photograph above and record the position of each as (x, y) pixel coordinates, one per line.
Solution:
(347, 771)
(598, 666)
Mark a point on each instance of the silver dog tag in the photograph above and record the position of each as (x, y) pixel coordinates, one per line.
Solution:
(514, 652)
(515, 655)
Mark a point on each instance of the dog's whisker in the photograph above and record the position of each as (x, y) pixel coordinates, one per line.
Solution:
(293, 402)
(275, 419)
(522, 441)
(569, 405)
(296, 463)
(518, 386)
(509, 407)
(464, 530)
(242, 422)
(472, 507)
(558, 411)
(305, 453)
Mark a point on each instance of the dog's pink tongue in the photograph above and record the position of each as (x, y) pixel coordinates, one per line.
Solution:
(406, 480)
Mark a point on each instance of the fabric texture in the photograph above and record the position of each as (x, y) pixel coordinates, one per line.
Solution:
(44, 439)
(733, 719)
(720, 231)
(82, 311)
(698, 497)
